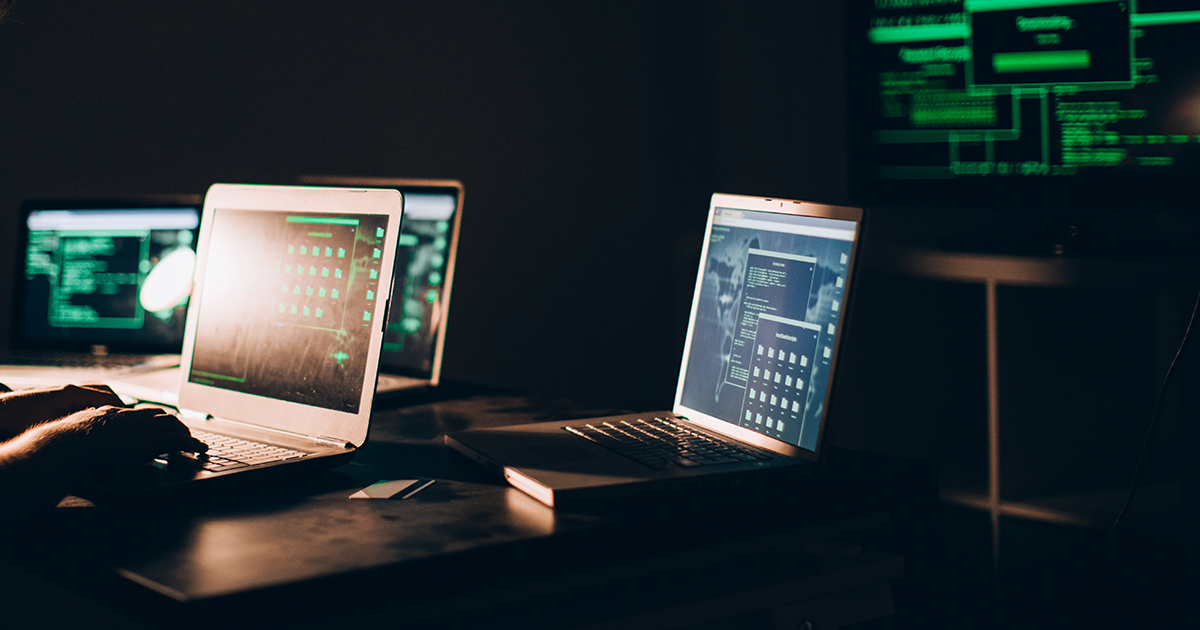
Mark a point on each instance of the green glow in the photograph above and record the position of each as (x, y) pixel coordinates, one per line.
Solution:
(392, 346)
(321, 234)
(340, 356)
(323, 220)
(920, 33)
(1094, 157)
(1159, 19)
(83, 271)
(221, 377)
(408, 240)
(952, 109)
(979, 6)
(431, 296)
(1041, 61)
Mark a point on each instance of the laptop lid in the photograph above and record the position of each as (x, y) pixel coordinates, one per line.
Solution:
(104, 272)
(291, 293)
(766, 320)
(416, 334)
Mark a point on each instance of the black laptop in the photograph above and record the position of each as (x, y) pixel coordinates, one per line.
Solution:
(101, 284)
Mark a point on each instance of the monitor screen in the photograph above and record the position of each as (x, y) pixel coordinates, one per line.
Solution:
(117, 277)
(989, 102)
(765, 321)
(423, 265)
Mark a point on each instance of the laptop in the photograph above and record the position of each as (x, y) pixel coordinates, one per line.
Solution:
(754, 387)
(411, 357)
(281, 347)
(101, 284)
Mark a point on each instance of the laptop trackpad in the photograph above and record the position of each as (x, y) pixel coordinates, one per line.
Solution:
(551, 453)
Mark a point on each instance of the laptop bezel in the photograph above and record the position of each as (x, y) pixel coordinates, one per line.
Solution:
(401, 184)
(785, 207)
(260, 411)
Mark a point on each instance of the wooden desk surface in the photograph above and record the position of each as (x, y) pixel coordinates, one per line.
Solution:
(298, 548)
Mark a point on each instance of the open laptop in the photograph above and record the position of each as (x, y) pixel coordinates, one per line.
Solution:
(411, 359)
(291, 292)
(100, 284)
(755, 381)
(411, 356)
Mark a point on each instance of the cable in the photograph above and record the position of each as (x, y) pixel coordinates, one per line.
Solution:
(1162, 396)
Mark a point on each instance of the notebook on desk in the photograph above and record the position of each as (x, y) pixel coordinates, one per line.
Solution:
(290, 298)
(411, 357)
(100, 285)
(757, 372)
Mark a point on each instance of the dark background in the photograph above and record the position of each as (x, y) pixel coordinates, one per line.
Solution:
(588, 136)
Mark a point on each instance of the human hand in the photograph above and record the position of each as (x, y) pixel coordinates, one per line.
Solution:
(28, 408)
(108, 436)
(41, 466)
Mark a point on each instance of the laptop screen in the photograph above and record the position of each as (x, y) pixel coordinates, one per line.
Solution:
(766, 318)
(287, 305)
(116, 276)
(424, 266)
(416, 330)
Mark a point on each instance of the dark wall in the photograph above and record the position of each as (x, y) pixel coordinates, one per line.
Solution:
(589, 137)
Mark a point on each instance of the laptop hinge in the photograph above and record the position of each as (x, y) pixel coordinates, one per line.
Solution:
(192, 414)
(331, 441)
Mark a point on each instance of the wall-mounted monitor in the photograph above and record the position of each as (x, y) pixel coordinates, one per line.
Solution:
(1067, 103)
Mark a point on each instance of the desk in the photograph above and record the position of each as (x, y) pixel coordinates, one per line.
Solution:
(470, 551)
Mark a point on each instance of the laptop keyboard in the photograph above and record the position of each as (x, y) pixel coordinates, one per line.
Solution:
(76, 359)
(230, 453)
(662, 444)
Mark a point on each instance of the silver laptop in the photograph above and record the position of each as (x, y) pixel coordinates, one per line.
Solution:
(290, 299)
(411, 357)
(755, 381)
(101, 285)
